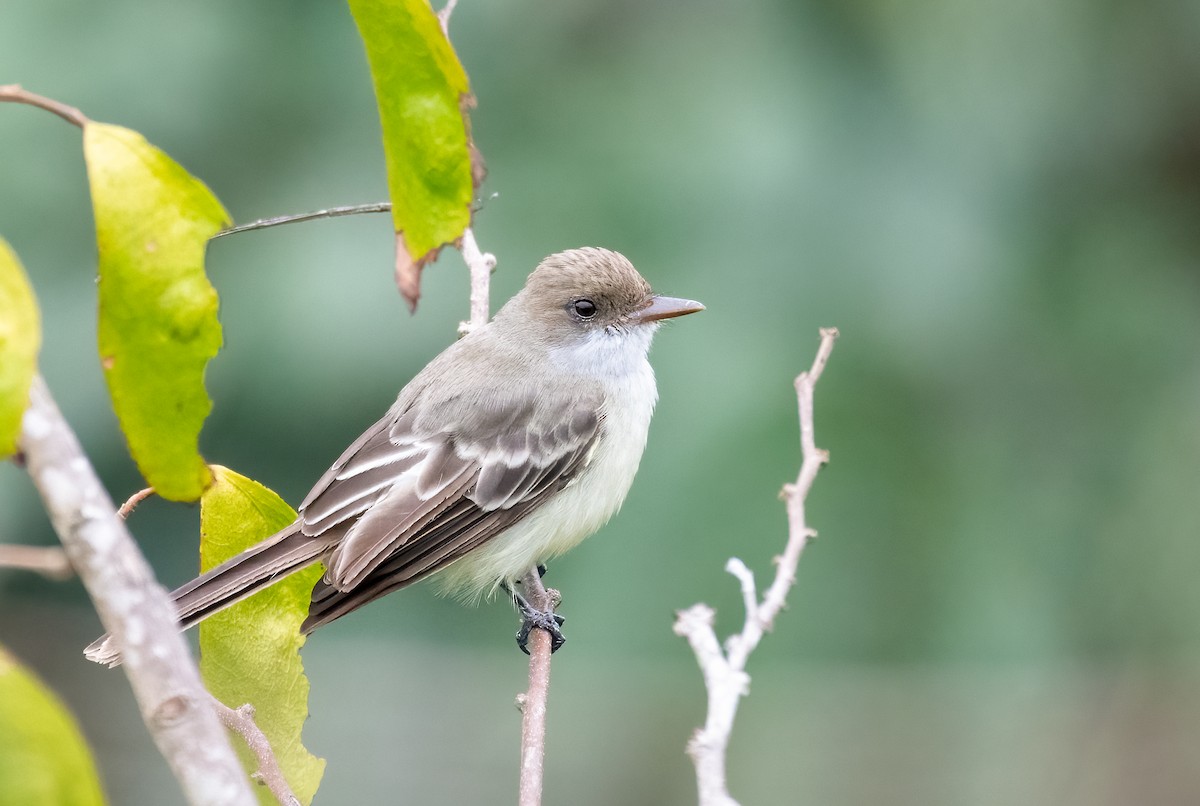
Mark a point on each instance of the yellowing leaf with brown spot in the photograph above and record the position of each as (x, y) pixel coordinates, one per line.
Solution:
(423, 97)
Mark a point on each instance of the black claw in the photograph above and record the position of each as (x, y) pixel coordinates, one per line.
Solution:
(538, 619)
(532, 618)
(541, 569)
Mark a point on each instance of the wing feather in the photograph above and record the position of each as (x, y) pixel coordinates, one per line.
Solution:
(419, 491)
(366, 439)
(417, 497)
(362, 475)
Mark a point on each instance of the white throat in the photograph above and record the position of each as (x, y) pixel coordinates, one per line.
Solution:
(608, 354)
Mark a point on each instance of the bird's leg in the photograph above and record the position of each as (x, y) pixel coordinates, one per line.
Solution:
(532, 618)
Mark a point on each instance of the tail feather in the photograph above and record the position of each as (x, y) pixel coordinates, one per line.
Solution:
(247, 573)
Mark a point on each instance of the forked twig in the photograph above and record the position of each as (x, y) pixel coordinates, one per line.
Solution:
(241, 721)
(724, 670)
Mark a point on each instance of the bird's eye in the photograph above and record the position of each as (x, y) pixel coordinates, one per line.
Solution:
(585, 308)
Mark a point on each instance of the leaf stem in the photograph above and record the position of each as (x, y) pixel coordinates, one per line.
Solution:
(14, 93)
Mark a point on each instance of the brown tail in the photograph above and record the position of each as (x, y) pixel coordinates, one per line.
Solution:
(233, 580)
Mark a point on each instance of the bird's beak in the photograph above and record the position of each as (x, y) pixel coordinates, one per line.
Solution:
(666, 308)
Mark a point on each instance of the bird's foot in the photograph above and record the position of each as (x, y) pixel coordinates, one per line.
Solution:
(533, 618)
(544, 620)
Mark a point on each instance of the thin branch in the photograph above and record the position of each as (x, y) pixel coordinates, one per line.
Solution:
(331, 212)
(481, 265)
(724, 671)
(749, 593)
(533, 702)
(241, 721)
(444, 16)
(131, 503)
(133, 607)
(796, 494)
(15, 94)
(49, 561)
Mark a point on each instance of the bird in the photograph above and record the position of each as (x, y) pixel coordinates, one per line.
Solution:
(510, 447)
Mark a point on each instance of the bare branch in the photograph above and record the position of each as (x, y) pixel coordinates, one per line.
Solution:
(134, 608)
(725, 678)
(481, 265)
(15, 94)
(241, 721)
(725, 686)
(330, 212)
(49, 561)
(813, 460)
(533, 702)
(752, 624)
(444, 16)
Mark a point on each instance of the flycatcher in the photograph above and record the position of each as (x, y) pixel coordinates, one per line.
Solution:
(510, 447)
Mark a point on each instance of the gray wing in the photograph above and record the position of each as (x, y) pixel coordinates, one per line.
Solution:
(425, 485)
(461, 528)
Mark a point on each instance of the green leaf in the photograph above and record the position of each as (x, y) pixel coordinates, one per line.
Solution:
(423, 94)
(158, 312)
(20, 338)
(249, 653)
(44, 760)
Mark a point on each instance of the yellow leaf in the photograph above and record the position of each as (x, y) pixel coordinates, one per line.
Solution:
(158, 313)
(423, 95)
(20, 339)
(44, 760)
(250, 653)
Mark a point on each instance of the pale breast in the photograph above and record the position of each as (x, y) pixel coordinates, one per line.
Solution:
(579, 509)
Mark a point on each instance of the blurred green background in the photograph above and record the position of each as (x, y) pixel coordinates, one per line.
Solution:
(996, 202)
